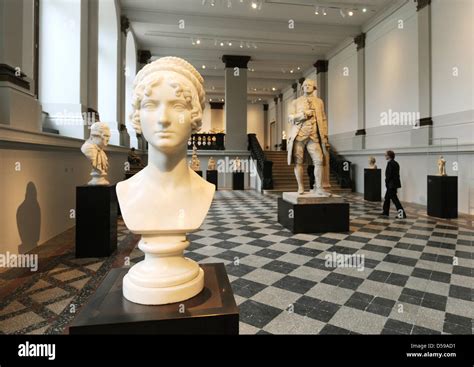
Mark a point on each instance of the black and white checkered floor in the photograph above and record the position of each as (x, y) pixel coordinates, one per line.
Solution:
(417, 278)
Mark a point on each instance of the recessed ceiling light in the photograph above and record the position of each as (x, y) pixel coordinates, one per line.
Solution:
(198, 42)
(325, 12)
(291, 71)
(222, 44)
(298, 68)
(230, 43)
(350, 13)
(204, 66)
(364, 10)
(254, 5)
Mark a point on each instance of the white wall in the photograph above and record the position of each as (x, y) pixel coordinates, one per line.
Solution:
(392, 75)
(255, 122)
(342, 91)
(55, 173)
(453, 52)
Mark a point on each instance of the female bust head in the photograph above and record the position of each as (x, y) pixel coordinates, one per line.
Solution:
(168, 100)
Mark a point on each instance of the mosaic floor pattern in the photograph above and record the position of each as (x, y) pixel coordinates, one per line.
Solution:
(417, 276)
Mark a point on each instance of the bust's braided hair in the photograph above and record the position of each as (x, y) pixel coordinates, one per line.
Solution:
(144, 81)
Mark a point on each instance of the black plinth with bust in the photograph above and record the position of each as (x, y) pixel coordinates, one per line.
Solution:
(96, 220)
(213, 311)
(443, 196)
(372, 184)
(211, 176)
(237, 180)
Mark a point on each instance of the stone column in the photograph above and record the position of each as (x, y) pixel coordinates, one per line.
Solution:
(143, 57)
(359, 139)
(19, 107)
(322, 85)
(322, 79)
(236, 101)
(422, 135)
(274, 138)
(217, 115)
(266, 125)
(125, 136)
(283, 121)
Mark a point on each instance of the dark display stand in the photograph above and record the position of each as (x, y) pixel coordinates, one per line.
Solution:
(443, 196)
(211, 176)
(283, 145)
(199, 173)
(237, 181)
(314, 218)
(372, 184)
(213, 311)
(96, 220)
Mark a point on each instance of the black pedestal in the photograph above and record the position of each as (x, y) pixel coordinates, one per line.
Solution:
(199, 173)
(443, 196)
(213, 311)
(237, 181)
(372, 184)
(211, 176)
(314, 218)
(96, 220)
(283, 145)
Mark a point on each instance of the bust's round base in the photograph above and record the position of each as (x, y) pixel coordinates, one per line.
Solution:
(162, 295)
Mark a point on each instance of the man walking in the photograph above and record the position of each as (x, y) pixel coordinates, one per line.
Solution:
(392, 183)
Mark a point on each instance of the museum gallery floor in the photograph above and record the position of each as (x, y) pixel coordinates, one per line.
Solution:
(280, 280)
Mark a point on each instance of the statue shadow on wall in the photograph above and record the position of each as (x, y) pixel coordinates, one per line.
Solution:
(28, 220)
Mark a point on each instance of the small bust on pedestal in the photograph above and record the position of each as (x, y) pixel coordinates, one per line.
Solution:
(441, 166)
(167, 199)
(93, 148)
(372, 164)
(195, 163)
(211, 164)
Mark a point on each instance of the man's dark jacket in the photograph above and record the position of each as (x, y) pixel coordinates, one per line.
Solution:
(392, 175)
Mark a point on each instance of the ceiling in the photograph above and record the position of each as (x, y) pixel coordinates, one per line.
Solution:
(279, 53)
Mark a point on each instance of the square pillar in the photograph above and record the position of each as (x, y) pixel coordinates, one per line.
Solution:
(236, 101)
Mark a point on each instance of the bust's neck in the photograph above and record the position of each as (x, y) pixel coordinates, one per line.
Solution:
(168, 169)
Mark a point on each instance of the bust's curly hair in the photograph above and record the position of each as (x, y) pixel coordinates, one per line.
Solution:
(150, 76)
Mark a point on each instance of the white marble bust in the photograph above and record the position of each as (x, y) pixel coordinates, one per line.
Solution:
(166, 196)
(93, 149)
(211, 164)
(372, 162)
(167, 199)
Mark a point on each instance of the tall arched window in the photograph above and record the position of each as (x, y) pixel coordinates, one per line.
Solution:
(108, 63)
(130, 72)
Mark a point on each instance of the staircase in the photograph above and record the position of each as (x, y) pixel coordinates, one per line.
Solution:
(284, 177)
